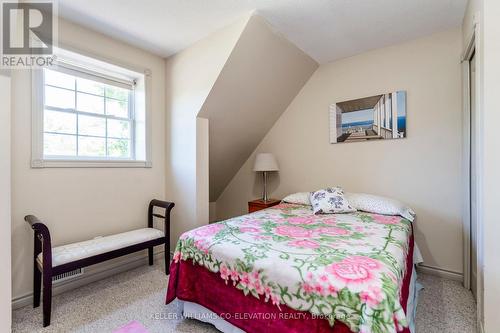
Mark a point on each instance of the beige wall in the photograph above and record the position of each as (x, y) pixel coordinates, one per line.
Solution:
(5, 203)
(190, 75)
(491, 163)
(423, 170)
(485, 13)
(79, 204)
(212, 211)
(202, 181)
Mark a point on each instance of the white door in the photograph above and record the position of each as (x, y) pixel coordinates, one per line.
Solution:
(5, 233)
(473, 173)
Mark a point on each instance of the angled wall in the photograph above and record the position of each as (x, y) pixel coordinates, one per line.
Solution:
(259, 80)
(190, 76)
(423, 169)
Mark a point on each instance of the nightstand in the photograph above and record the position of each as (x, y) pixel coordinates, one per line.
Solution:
(256, 205)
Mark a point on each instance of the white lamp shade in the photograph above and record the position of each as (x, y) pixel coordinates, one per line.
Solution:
(265, 162)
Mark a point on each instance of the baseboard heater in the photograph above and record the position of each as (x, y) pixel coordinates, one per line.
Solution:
(68, 275)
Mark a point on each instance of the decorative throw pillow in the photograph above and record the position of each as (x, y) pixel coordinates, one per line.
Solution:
(380, 205)
(330, 201)
(301, 198)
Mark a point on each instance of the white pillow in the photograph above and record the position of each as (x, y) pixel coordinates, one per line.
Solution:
(301, 198)
(380, 205)
(330, 201)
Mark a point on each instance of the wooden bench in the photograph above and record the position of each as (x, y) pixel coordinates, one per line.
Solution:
(48, 261)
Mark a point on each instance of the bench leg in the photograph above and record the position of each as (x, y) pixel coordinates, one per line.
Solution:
(167, 257)
(37, 286)
(47, 297)
(150, 255)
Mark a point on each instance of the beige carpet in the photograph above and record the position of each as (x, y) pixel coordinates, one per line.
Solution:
(444, 306)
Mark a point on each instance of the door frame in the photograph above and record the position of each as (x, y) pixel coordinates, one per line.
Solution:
(472, 48)
(469, 51)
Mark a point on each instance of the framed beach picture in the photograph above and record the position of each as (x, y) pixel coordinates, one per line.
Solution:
(376, 117)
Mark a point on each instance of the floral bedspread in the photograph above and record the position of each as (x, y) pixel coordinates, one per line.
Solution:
(346, 267)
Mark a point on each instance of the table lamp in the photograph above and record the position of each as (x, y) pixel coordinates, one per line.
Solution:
(265, 162)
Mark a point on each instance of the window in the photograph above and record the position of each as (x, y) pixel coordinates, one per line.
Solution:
(89, 113)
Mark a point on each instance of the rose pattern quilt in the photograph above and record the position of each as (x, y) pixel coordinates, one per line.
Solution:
(346, 267)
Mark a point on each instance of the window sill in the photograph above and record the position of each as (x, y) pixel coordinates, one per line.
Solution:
(49, 163)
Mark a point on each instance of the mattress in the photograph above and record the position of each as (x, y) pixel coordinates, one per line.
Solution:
(351, 271)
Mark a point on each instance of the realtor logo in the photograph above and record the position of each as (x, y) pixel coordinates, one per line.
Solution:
(28, 33)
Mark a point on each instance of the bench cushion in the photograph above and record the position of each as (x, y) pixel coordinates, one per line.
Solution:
(76, 251)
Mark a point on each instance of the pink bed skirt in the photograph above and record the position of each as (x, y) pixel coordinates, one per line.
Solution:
(193, 283)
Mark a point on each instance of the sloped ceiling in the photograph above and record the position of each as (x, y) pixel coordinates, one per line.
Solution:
(261, 77)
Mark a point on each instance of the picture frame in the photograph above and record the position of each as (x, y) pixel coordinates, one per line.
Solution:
(378, 117)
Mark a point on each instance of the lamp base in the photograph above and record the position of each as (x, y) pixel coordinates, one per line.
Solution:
(264, 193)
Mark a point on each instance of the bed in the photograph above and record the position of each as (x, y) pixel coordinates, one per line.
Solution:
(286, 269)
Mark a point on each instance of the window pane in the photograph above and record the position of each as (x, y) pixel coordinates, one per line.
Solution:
(118, 129)
(90, 103)
(59, 79)
(59, 98)
(95, 147)
(59, 145)
(88, 125)
(117, 108)
(89, 86)
(85, 117)
(117, 93)
(59, 122)
(119, 148)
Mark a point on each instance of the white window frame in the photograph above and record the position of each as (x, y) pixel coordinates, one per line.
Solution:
(108, 71)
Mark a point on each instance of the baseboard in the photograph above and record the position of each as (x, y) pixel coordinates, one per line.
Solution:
(134, 261)
(92, 274)
(480, 326)
(440, 272)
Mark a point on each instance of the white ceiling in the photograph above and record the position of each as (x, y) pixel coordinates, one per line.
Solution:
(325, 29)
